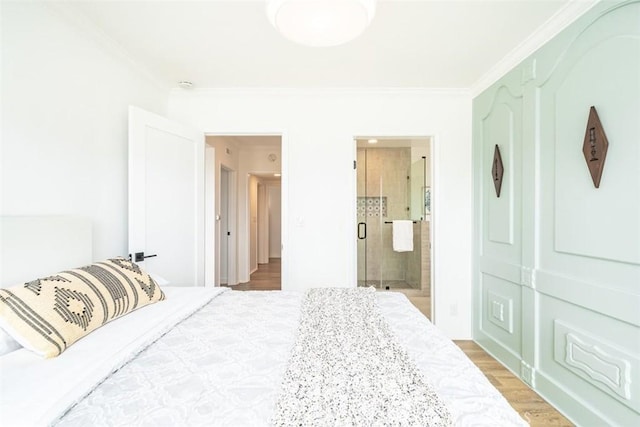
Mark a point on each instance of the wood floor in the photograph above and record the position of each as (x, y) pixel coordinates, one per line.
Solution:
(265, 278)
(535, 410)
(525, 401)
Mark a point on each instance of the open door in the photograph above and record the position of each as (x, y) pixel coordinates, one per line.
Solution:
(166, 198)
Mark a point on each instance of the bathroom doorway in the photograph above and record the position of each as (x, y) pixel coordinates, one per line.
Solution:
(394, 214)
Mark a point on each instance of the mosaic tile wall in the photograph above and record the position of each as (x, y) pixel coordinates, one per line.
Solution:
(372, 206)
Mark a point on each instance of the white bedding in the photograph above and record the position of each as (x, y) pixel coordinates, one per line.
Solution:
(35, 391)
(221, 366)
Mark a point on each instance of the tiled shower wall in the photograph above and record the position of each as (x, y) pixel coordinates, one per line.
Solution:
(419, 261)
(386, 175)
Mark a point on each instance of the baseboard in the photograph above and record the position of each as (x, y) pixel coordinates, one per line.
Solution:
(567, 404)
(501, 353)
(574, 409)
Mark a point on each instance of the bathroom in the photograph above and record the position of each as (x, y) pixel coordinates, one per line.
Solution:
(394, 184)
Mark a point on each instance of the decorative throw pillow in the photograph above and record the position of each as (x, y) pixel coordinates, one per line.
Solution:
(47, 315)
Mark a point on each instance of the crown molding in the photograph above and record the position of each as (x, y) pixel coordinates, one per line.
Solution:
(551, 28)
(66, 11)
(303, 91)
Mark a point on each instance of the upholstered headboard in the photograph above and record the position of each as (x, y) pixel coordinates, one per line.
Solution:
(34, 246)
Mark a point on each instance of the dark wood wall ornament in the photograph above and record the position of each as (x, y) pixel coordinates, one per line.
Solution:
(595, 146)
(497, 171)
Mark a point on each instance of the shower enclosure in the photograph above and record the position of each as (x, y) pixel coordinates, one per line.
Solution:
(393, 185)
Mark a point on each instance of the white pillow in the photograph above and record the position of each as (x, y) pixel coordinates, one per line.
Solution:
(7, 344)
(161, 281)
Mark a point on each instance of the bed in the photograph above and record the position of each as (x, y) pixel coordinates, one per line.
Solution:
(213, 356)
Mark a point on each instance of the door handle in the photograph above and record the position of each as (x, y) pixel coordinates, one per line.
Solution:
(362, 235)
(140, 256)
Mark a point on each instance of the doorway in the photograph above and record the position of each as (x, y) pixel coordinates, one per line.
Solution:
(247, 167)
(265, 231)
(394, 220)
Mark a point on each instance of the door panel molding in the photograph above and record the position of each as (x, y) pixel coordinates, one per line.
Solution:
(166, 197)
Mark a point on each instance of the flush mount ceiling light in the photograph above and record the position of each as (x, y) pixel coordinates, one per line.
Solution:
(321, 22)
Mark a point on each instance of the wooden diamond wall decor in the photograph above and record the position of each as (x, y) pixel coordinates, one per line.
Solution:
(595, 146)
(497, 170)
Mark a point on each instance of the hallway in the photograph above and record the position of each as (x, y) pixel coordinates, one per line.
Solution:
(265, 278)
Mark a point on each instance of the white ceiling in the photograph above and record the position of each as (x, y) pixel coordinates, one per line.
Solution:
(387, 142)
(251, 141)
(230, 44)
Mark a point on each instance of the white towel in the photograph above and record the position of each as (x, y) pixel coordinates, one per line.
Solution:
(402, 236)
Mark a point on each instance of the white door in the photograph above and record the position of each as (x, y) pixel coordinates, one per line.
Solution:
(166, 198)
(224, 226)
(275, 220)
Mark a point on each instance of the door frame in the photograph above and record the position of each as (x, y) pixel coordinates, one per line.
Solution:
(434, 200)
(241, 180)
(212, 222)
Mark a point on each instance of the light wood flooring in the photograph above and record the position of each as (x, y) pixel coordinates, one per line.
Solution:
(525, 401)
(265, 278)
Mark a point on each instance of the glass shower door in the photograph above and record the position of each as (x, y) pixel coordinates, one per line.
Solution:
(393, 185)
(371, 206)
(390, 187)
(362, 217)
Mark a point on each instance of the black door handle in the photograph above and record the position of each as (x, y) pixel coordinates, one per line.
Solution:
(362, 235)
(140, 256)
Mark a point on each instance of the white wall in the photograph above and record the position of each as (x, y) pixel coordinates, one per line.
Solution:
(65, 96)
(318, 186)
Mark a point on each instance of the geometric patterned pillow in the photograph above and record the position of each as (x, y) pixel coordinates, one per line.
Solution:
(47, 315)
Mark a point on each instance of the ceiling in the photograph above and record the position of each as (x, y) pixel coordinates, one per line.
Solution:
(230, 44)
(249, 141)
(390, 142)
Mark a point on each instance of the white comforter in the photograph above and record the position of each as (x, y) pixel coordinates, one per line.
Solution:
(223, 365)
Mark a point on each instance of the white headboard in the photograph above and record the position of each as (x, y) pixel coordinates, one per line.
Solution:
(34, 246)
